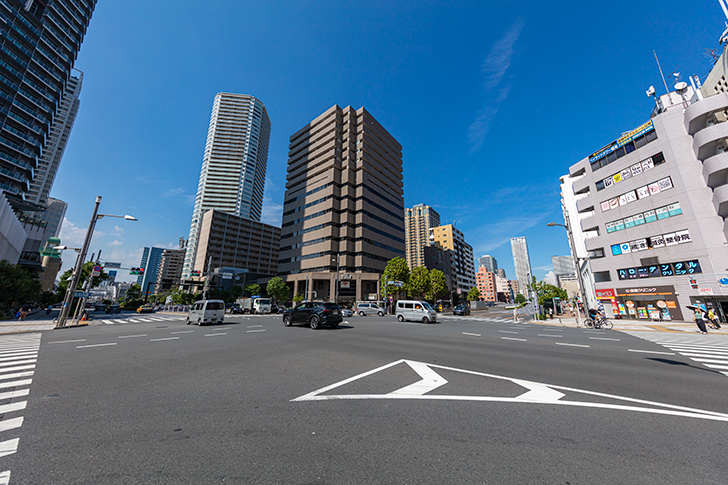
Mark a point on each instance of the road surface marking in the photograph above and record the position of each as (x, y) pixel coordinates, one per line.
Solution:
(132, 320)
(254, 326)
(23, 382)
(552, 329)
(472, 334)
(182, 331)
(605, 338)
(651, 352)
(15, 376)
(713, 366)
(24, 355)
(109, 322)
(11, 424)
(133, 336)
(571, 345)
(221, 328)
(145, 320)
(430, 381)
(13, 369)
(511, 338)
(9, 447)
(67, 341)
(94, 345)
(214, 334)
(160, 339)
(16, 406)
(549, 335)
(253, 331)
(506, 331)
(18, 362)
(13, 394)
(5, 477)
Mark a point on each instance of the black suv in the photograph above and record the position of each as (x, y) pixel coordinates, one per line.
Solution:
(461, 310)
(315, 314)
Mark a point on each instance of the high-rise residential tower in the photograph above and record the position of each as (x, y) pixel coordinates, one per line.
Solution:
(489, 262)
(232, 179)
(417, 224)
(521, 263)
(461, 261)
(343, 206)
(40, 41)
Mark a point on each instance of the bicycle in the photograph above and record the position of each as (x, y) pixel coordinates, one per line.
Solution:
(599, 323)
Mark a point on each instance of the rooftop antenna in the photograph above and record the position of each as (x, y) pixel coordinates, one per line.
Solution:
(724, 6)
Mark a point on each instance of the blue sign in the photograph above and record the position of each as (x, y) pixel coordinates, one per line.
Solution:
(112, 274)
(723, 281)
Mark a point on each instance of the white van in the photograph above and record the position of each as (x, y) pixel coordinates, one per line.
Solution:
(419, 311)
(206, 312)
(365, 308)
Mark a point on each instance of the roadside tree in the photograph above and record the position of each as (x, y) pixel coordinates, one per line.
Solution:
(278, 289)
(252, 289)
(438, 285)
(473, 294)
(396, 270)
(419, 282)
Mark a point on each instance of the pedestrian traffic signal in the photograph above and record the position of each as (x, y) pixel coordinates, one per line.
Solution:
(694, 284)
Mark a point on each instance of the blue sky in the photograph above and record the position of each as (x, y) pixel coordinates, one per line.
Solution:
(491, 101)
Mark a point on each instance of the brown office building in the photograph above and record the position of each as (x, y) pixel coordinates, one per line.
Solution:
(169, 273)
(236, 242)
(344, 200)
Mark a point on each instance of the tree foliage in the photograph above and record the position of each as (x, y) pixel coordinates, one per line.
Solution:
(236, 291)
(252, 289)
(396, 270)
(546, 292)
(473, 294)
(297, 299)
(278, 289)
(419, 282)
(520, 298)
(438, 285)
(17, 286)
(86, 270)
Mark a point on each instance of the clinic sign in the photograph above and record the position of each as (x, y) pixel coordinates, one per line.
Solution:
(623, 140)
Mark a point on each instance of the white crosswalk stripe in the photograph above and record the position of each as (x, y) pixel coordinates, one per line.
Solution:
(710, 351)
(17, 352)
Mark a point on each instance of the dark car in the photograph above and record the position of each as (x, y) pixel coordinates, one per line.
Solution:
(113, 308)
(314, 314)
(274, 308)
(461, 310)
(235, 309)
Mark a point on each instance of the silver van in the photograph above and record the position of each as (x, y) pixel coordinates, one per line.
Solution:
(206, 312)
(418, 311)
(369, 309)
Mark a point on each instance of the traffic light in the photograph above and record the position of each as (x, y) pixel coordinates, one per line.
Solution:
(140, 271)
(134, 271)
(694, 284)
(194, 273)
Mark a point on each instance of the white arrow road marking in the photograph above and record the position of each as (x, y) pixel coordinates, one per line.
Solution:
(538, 393)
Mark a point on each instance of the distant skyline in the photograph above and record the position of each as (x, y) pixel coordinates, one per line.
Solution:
(491, 103)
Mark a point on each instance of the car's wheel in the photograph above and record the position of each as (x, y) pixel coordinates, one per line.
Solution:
(334, 325)
(425, 320)
(381, 314)
(361, 314)
(314, 322)
(400, 318)
(188, 320)
(287, 320)
(200, 323)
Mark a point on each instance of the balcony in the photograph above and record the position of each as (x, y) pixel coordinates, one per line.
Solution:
(720, 200)
(715, 170)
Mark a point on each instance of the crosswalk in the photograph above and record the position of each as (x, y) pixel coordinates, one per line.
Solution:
(708, 350)
(18, 356)
(138, 319)
(478, 319)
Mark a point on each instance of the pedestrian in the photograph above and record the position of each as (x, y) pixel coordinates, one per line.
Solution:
(24, 311)
(699, 319)
(551, 313)
(713, 319)
(48, 309)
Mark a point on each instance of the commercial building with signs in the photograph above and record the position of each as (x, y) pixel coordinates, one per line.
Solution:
(521, 263)
(417, 224)
(232, 178)
(650, 210)
(343, 208)
(461, 261)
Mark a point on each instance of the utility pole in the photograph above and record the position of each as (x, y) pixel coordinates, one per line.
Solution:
(207, 278)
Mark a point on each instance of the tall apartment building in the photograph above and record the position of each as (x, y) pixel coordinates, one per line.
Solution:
(151, 258)
(501, 272)
(169, 274)
(417, 224)
(40, 42)
(343, 206)
(651, 209)
(232, 178)
(521, 263)
(487, 286)
(461, 260)
(488, 262)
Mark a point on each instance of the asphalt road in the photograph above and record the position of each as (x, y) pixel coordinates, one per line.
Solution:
(374, 401)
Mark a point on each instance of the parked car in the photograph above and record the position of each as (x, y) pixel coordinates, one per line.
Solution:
(461, 310)
(419, 311)
(146, 309)
(314, 314)
(347, 312)
(113, 308)
(99, 307)
(235, 309)
(274, 308)
(205, 312)
(369, 309)
(490, 304)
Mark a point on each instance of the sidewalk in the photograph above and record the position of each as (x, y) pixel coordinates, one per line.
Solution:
(639, 325)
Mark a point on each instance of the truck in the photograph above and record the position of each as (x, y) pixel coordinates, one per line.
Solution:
(255, 304)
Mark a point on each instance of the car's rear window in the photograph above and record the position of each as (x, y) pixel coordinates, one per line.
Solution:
(331, 306)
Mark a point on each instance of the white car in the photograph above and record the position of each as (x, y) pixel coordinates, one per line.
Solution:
(347, 313)
(369, 309)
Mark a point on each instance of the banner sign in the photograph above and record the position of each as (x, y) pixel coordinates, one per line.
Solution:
(623, 140)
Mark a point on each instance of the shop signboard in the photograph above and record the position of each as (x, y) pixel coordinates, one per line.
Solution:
(705, 291)
(623, 140)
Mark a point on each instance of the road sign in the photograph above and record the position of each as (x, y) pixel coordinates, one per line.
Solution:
(723, 281)
(112, 265)
(227, 276)
(96, 271)
(81, 294)
(112, 274)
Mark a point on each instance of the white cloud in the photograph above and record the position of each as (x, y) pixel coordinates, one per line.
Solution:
(272, 213)
(172, 192)
(116, 243)
(72, 235)
(494, 69)
(550, 278)
(117, 231)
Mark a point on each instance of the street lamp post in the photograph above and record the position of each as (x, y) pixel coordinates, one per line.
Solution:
(338, 274)
(78, 269)
(577, 266)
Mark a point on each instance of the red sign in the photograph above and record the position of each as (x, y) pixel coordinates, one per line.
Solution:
(605, 294)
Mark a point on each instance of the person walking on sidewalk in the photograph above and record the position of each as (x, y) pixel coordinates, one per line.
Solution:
(713, 318)
(24, 310)
(699, 319)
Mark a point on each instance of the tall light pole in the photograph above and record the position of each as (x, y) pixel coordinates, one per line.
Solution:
(78, 269)
(577, 266)
(338, 273)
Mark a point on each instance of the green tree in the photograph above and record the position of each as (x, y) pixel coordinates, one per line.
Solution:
(86, 270)
(297, 299)
(133, 293)
(236, 291)
(473, 294)
(438, 285)
(520, 298)
(546, 292)
(252, 289)
(17, 286)
(396, 270)
(419, 282)
(278, 289)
